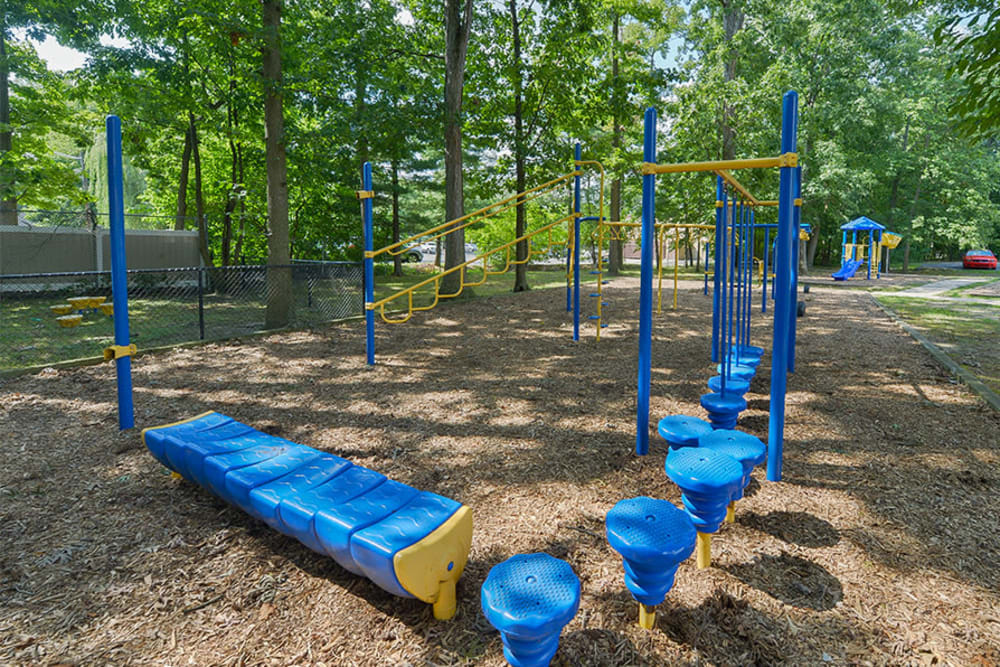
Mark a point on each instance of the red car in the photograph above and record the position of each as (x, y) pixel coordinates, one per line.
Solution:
(979, 259)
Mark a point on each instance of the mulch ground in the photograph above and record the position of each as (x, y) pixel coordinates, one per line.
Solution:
(879, 547)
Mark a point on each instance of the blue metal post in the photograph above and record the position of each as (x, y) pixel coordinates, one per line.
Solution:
(708, 247)
(738, 277)
(748, 275)
(646, 286)
(731, 259)
(871, 235)
(720, 197)
(793, 317)
(369, 231)
(721, 267)
(767, 253)
(119, 278)
(576, 247)
(843, 247)
(878, 264)
(783, 276)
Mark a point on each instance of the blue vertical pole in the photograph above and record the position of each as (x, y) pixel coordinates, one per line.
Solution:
(738, 277)
(576, 247)
(871, 235)
(646, 286)
(767, 252)
(783, 276)
(369, 230)
(843, 247)
(720, 197)
(794, 303)
(721, 266)
(748, 277)
(708, 247)
(731, 259)
(119, 278)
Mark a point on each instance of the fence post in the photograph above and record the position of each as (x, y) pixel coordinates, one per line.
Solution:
(119, 279)
(201, 303)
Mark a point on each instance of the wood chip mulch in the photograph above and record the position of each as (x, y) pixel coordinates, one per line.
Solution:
(881, 545)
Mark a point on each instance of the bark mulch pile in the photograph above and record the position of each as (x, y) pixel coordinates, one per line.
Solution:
(881, 545)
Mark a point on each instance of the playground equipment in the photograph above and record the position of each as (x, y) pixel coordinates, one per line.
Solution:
(731, 326)
(748, 450)
(854, 255)
(708, 480)
(529, 598)
(653, 538)
(410, 543)
(552, 239)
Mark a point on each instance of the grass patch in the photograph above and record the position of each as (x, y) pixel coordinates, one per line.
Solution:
(967, 332)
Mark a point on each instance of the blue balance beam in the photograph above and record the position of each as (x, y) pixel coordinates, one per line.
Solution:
(411, 543)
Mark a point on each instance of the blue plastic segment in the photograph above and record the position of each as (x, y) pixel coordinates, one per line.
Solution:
(653, 537)
(742, 371)
(529, 598)
(707, 480)
(723, 409)
(748, 449)
(356, 516)
(682, 430)
(734, 385)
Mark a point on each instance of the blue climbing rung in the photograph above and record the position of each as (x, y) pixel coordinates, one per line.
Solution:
(594, 317)
(604, 326)
(594, 294)
(595, 273)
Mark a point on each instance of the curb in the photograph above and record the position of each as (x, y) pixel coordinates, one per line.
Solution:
(970, 380)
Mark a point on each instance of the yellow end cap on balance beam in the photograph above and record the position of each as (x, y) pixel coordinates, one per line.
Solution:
(429, 569)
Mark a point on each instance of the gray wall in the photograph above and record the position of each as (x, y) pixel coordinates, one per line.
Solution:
(57, 249)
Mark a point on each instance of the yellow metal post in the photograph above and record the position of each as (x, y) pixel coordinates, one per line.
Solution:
(703, 549)
(647, 616)
(677, 249)
(731, 513)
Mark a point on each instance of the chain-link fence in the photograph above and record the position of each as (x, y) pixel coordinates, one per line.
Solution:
(51, 317)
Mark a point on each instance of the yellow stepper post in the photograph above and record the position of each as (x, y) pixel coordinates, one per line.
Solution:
(647, 616)
(703, 547)
(731, 512)
(429, 569)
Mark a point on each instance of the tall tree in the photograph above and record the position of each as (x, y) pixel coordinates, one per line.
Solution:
(458, 22)
(279, 282)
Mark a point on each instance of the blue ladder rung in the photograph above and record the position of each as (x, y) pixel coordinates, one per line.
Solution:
(595, 273)
(594, 317)
(594, 294)
(604, 326)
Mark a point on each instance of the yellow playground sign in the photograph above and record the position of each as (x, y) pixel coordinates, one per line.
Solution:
(890, 240)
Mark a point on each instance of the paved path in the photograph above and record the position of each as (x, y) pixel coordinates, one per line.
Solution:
(937, 287)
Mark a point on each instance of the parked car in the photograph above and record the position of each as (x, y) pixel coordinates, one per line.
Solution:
(979, 259)
(413, 254)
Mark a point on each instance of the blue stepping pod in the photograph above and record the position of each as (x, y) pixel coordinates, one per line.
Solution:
(707, 480)
(739, 370)
(653, 537)
(749, 450)
(723, 409)
(734, 385)
(529, 598)
(748, 351)
(682, 430)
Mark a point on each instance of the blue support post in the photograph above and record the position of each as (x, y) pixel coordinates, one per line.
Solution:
(708, 247)
(731, 258)
(871, 236)
(747, 274)
(369, 231)
(119, 277)
(878, 263)
(843, 247)
(577, 155)
(720, 197)
(738, 277)
(646, 286)
(767, 253)
(793, 317)
(721, 268)
(783, 276)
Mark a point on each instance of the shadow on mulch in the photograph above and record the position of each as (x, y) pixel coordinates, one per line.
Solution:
(798, 528)
(792, 580)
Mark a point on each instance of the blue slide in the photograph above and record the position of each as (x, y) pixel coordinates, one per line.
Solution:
(848, 269)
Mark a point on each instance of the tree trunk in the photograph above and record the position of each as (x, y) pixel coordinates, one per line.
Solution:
(732, 23)
(457, 24)
(397, 261)
(913, 212)
(8, 201)
(520, 224)
(615, 245)
(182, 183)
(279, 281)
(199, 199)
